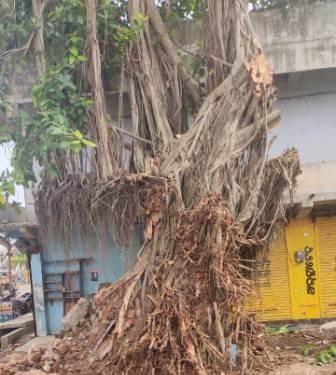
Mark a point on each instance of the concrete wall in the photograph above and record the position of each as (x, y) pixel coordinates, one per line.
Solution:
(298, 39)
(308, 122)
(308, 114)
(317, 184)
(294, 40)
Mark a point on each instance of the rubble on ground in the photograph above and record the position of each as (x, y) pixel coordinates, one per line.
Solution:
(38, 360)
(328, 326)
(75, 354)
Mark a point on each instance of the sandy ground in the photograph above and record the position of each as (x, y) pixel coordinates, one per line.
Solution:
(300, 352)
(305, 369)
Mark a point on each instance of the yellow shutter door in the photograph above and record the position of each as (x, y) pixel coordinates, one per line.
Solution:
(273, 301)
(303, 258)
(326, 235)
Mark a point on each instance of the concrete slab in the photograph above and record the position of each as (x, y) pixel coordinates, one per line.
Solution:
(22, 321)
(10, 337)
(14, 329)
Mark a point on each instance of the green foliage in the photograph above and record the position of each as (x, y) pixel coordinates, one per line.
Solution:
(16, 27)
(16, 23)
(59, 122)
(123, 34)
(279, 330)
(61, 105)
(327, 356)
(181, 8)
(65, 30)
(307, 349)
(20, 259)
(7, 187)
(60, 98)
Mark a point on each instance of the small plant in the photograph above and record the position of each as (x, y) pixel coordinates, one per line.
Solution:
(327, 356)
(307, 349)
(279, 330)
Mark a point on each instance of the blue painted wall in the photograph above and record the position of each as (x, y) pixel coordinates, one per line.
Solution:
(108, 259)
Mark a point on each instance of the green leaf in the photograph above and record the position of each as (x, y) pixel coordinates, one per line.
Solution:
(65, 144)
(74, 51)
(77, 134)
(74, 39)
(76, 147)
(88, 143)
(281, 330)
(324, 357)
(58, 131)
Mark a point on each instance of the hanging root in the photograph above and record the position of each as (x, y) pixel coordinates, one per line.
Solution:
(98, 206)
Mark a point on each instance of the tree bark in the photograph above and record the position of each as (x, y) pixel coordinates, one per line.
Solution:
(107, 152)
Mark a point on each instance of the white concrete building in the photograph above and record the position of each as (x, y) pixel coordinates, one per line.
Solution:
(301, 45)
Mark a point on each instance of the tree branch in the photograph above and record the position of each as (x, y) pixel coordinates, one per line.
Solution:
(169, 47)
(120, 130)
(38, 39)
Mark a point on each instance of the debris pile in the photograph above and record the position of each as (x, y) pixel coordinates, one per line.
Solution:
(38, 358)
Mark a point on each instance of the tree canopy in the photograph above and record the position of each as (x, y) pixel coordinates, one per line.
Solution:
(60, 95)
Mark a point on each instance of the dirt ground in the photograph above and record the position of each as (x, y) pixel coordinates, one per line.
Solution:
(300, 351)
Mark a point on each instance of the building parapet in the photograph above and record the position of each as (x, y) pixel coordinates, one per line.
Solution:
(300, 38)
(294, 40)
(316, 188)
